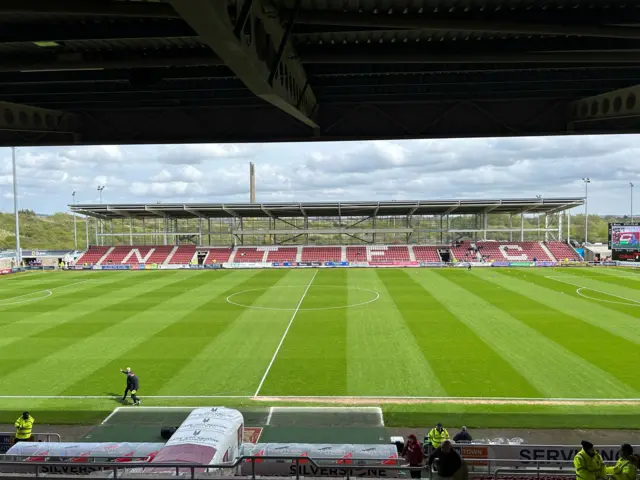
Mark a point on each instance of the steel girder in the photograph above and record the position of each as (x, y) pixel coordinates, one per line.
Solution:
(617, 104)
(257, 49)
(17, 119)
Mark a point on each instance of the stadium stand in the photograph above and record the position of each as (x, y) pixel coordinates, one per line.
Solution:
(92, 255)
(356, 254)
(562, 251)
(160, 254)
(117, 255)
(321, 254)
(519, 251)
(462, 253)
(183, 255)
(217, 255)
(145, 253)
(426, 254)
(389, 254)
(249, 255)
(282, 254)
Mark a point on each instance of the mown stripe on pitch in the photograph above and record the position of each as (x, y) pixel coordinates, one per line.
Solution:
(18, 289)
(246, 346)
(465, 363)
(590, 342)
(53, 341)
(385, 357)
(313, 357)
(566, 299)
(160, 356)
(65, 297)
(549, 367)
(13, 322)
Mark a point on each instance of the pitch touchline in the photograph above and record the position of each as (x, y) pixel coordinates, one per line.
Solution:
(284, 335)
(321, 397)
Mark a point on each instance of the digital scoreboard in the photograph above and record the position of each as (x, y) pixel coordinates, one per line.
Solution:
(624, 241)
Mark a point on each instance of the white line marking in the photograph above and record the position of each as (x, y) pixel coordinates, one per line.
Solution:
(381, 417)
(284, 335)
(268, 422)
(314, 397)
(377, 296)
(116, 410)
(635, 303)
(2, 304)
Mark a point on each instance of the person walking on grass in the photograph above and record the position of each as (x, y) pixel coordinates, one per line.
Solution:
(133, 385)
(413, 454)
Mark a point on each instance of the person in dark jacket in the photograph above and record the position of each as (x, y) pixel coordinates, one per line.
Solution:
(413, 454)
(133, 385)
(462, 436)
(450, 463)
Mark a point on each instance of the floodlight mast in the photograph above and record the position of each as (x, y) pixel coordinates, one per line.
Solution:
(15, 208)
(631, 187)
(75, 230)
(586, 181)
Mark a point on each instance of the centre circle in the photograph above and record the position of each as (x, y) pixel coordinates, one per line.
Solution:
(372, 297)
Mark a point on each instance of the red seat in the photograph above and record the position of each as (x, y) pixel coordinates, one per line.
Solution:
(321, 254)
(427, 254)
(92, 255)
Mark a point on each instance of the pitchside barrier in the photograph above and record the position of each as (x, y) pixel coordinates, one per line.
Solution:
(7, 439)
(482, 459)
(261, 265)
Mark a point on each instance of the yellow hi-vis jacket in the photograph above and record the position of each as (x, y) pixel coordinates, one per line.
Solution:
(24, 427)
(623, 470)
(587, 467)
(436, 438)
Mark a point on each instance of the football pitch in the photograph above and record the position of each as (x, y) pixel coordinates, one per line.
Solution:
(491, 344)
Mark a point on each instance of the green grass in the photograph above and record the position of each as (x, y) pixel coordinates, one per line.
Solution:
(487, 333)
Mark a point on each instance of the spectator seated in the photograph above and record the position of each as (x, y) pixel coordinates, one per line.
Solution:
(249, 255)
(356, 254)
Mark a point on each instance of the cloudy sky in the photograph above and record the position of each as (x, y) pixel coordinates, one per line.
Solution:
(382, 170)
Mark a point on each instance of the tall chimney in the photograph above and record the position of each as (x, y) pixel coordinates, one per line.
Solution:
(252, 183)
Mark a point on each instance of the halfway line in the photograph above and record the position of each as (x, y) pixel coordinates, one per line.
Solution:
(284, 335)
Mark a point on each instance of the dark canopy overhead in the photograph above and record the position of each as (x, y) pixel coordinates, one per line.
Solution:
(178, 71)
(326, 209)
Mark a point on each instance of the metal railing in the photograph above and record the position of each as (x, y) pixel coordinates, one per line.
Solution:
(37, 437)
(526, 468)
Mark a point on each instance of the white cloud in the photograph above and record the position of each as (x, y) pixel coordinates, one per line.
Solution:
(381, 170)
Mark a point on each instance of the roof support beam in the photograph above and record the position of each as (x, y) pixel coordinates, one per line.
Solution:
(252, 55)
(25, 118)
(618, 104)
(406, 22)
(90, 8)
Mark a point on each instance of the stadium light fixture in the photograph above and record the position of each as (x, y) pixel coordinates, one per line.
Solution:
(586, 181)
(631, 187)
(75, 230)
(15, 208)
